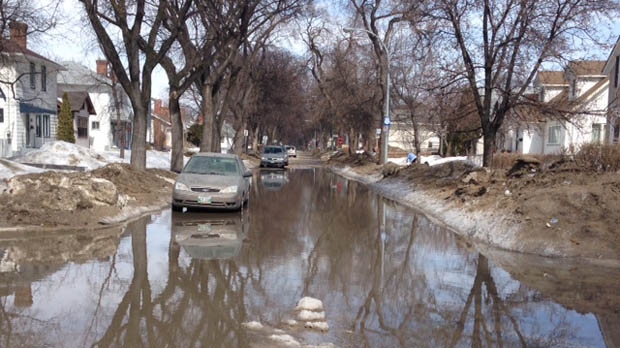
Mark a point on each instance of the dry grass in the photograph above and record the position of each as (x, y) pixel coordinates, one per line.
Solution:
(599, 158)
(589, 157)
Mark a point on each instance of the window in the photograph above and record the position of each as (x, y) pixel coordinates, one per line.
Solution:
(43, 126)
(430, 144)
(1, 115)
(43, 78)
(597, 129)
(33, 77)
(616, 75)
(82, 126)
(555, 134)
(94, 125)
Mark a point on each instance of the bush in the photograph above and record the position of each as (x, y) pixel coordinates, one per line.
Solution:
(599, 158)
(194, 134)
(65, 121)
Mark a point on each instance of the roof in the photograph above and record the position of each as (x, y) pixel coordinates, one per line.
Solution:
(11, 47)
(551, 78)
(586, 67)
(77, 100)
(608, 62)
(78, 74)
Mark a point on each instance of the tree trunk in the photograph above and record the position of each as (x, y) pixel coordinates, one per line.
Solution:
(138, 143)
(208, 116)
(489, 147)
(217, 131)
(255, 138)
(120, 131)
(176, 155)
(416, 137)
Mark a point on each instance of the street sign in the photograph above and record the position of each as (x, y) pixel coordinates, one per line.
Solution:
(386, 121)
(245, 132)
(378, 131)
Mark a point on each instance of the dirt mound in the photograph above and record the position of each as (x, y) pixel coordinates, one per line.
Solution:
(54, 199)
(356, 159)
(557, 203)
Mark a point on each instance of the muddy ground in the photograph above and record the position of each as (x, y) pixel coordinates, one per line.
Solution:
(83, 200)
(556, 208)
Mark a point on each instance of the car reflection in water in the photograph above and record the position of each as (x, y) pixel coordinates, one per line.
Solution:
(273, 180)
(210, 236)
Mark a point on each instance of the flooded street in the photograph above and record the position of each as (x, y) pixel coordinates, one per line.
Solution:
(387, 276)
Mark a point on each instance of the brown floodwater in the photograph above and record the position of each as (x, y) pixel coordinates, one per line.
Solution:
(387, 276)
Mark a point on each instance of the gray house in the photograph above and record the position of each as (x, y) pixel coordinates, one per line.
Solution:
(28, 117)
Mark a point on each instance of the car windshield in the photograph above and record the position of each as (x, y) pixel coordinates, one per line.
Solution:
(212, 166)
(273, 150)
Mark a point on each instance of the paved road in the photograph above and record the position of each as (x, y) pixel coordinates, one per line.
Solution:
(304, 159)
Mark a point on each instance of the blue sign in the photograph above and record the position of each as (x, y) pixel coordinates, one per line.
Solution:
(386, 121)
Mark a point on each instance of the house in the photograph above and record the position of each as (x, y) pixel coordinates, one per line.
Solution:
(572, 111)
(159, 131)
(109, 127)
(402, 131)
(612, 71)
(28, 117)
(82, 109)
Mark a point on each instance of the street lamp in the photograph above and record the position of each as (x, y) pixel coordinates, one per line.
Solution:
(386, 119)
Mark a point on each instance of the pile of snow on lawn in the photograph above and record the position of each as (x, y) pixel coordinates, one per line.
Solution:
(66, 154)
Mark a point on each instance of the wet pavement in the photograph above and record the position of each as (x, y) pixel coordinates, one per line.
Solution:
(387, 276)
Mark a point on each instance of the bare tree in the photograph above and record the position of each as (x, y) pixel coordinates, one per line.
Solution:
(244, 22)
(379, 19)
(132, 20)
(502, 44)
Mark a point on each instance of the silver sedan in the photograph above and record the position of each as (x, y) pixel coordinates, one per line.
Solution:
(213, 181)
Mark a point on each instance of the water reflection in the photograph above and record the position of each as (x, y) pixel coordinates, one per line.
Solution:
(210, 235)
(273, 180)
(388, 277)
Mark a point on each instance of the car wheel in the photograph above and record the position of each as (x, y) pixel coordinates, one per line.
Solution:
(176, 207)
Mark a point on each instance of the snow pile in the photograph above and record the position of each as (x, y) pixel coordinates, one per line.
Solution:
(253, 325)
(310, 311)
(159, 159)
(9, 169)
(287, 340)
(66, 154)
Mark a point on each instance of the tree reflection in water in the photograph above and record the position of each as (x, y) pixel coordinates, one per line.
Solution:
(200, 304)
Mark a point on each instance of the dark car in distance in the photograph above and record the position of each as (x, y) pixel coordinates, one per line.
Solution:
(274, 156)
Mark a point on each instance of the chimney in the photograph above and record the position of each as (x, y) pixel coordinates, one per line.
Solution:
(102, 67)
(18, 32)
(158, 107)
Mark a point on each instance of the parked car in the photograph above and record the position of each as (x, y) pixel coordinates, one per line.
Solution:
(210, 235)
(291, 150)
(212, 180)
(274, 156)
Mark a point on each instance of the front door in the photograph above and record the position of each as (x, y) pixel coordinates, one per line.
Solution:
(30, 123)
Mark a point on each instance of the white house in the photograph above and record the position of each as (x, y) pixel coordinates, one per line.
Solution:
(28, 116)
(106, 127)
(582, 91)
(612, 71)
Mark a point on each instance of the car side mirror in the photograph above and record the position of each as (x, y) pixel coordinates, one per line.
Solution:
(247, 174)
